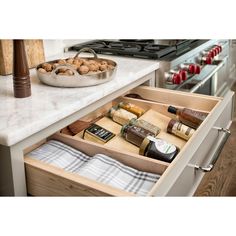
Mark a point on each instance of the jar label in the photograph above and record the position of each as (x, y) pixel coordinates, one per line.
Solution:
(122, 116)
(162, 146)
(97, 132)
(182, 130)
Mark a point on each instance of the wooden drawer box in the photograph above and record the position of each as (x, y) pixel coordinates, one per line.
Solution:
(180, 177)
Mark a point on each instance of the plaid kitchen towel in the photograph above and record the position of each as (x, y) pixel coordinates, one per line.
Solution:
(111, 172)
(100, 168)
(60, 155)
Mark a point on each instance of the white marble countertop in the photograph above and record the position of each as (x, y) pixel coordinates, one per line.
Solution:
(22, 117)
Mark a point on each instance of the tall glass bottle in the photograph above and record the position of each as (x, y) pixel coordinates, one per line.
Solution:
(188, 116)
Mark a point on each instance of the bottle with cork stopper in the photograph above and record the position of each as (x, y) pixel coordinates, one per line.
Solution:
(21, 78)
(188, 116)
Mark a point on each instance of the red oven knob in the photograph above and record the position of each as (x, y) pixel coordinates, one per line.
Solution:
(206, 60)
(197, 69)
(176, 79)
(191, 69)
(214, 52)
(211, 54)
(183, 74)
(219, 48)
(173, 78)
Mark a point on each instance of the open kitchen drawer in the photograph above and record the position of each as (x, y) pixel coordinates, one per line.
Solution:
(180, 177)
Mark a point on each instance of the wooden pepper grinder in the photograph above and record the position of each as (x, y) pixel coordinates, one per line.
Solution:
(21, 78)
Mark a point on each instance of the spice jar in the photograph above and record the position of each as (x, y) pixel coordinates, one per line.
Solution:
(138, 111)
(177, 128)
(120, 115)
(146, 125)
(135, 134)
(159, 149)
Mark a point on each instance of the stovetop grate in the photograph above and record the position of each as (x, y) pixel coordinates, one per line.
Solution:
(134, 48)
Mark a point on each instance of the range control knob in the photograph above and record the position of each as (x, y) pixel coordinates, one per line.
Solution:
(183, 74)
(190, 68)
(173, 78)
(206, 60)
(211, 54)
(197, 69)
(217, 50)
(176, 79)
(219, 47)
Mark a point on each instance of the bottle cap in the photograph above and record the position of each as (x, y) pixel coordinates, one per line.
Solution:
(121, 104)
(123, 129)
(144, 145)
(172, 109)
(170, 125)
(111, 111)
(132, 121)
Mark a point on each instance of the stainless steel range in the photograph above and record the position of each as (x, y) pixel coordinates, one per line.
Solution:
(199, 66)
(203, 69)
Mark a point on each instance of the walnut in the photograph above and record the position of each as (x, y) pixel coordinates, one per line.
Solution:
(70, 60)
(104, 63)
(103, 67)
(78, 62)
(93, 67)
(55, 65)
(61, 61)
(83, 70)
(85, 63)
(69, 72)
(61, 70)
(92, 61)
(47, 67)
(41, 70)
(75, 67)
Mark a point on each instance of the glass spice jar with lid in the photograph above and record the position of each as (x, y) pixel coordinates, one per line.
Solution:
(138, 111)
(159, 149)
(177, 128)
(135, 134)
(121, 116)
(146, 125)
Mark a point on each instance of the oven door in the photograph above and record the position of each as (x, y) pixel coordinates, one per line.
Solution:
(209, 81)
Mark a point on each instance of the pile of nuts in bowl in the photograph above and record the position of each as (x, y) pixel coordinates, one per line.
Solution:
(81, 65)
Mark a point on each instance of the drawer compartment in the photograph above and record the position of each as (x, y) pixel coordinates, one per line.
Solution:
(44, 179)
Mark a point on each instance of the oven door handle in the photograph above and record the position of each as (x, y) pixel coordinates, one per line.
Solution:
(220, 64)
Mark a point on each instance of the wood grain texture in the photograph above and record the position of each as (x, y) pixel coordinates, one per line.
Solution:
(222, 180)
(47, 180)
(34, 52)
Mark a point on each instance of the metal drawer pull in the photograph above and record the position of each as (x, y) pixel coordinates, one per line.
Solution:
(216, 155)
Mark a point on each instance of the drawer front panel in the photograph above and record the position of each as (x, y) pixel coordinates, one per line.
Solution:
(186, 181)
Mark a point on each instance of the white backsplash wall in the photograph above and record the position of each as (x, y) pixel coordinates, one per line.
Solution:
(54, 47)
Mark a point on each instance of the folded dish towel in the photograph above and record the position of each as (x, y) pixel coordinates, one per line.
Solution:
(100, 168)
(60, 155)
(111, 172)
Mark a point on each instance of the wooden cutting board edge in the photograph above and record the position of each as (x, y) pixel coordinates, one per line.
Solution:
(34, 51)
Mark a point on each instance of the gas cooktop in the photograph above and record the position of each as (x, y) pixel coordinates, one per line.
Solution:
(140, 48)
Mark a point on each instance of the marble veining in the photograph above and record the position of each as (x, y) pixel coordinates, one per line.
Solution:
(20, 118)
